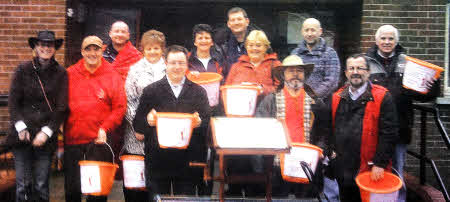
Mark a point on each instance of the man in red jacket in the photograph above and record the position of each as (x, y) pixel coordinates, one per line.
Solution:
(97, 105)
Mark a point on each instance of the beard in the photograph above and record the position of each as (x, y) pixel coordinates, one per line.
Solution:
(295, 83)
(356, 84)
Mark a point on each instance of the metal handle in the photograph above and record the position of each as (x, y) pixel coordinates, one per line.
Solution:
(92, 144)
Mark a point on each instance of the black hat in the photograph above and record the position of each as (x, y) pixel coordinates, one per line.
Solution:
(46, 36)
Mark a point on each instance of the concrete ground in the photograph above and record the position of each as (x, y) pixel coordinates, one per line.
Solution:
(116, 195)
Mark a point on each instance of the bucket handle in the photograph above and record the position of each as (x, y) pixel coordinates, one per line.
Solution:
(309, 173)
(90, 146)
(396, 172)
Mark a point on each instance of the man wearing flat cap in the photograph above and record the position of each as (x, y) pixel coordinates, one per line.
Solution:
(97, 105)
(298, 106)
(37, 106)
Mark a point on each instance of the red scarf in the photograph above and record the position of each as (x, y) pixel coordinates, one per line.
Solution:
(126, 57)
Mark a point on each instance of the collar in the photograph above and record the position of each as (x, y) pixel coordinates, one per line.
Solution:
(364, 97)
(175, 86)
(320, 46)
(355, 95)
(388, 57)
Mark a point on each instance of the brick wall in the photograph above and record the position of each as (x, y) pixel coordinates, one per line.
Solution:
(422, 32)
(19, 20)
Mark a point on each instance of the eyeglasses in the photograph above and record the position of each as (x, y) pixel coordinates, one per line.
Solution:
(358, 69)
(176, 63)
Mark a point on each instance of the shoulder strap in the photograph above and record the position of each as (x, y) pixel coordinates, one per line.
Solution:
(42, 87)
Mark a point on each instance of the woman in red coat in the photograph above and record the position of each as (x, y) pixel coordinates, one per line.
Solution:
(255, 67)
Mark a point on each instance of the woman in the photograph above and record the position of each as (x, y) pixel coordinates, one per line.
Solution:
(149, 69)
(204, 57)
(255, 67)
(37, 106)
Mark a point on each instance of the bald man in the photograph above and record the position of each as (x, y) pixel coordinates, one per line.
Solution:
(313, 49)
(324, 78)
(120, 52)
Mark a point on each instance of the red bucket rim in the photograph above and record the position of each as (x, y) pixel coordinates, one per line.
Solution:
(131, 157)
(387, 176)
(96, 163)
(205, 77)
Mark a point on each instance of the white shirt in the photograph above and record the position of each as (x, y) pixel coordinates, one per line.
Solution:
(355, 95)
(176, 89)
(205, 62)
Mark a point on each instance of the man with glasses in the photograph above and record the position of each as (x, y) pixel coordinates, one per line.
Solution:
(364, 128)
(168, 168)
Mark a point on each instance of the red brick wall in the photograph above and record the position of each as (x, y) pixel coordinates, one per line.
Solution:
(19, 20)
(421, 24)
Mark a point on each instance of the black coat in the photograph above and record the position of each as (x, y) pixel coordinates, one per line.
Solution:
(163, 164)
(27, 102)
(390, 75)
(346, 135)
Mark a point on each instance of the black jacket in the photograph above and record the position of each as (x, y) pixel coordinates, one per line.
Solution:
(27, 102)
(389, 74)
(345, 139)
(173, 163)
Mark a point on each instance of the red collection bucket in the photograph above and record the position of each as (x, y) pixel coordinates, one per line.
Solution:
(210, 81)
(291, 170)
(385, 189)
(97, 177)
(240, 100)
(133, 171)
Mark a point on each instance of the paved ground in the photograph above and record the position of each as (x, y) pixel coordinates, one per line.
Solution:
(116, 195)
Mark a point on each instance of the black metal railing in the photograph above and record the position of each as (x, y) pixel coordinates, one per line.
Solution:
(424, 110)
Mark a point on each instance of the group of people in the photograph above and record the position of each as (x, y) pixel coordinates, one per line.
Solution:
(111, 95)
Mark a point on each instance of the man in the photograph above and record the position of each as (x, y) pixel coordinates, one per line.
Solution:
(295, 103)
(386, 60)
(97, 105)
(231, 40)
(313, 49)
(325, 77)
(174, 93)
(364, 128)
(120, 52)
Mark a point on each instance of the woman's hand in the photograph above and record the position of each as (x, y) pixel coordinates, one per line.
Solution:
(197, 120)
(24, 135)
(40, 139)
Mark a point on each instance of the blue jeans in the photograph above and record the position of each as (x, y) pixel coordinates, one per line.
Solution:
(398, 161)
(331, 189)
(32, 173)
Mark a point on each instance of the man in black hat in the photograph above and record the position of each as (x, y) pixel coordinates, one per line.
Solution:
(37, 105)
(297, 105)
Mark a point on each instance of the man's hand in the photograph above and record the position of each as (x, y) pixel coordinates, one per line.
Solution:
(139, 136)
(24, 135)
(377, 173)
(40, 139)
(429, 82)
(197, 120)
(151, 118)
(195, 73)
(101, 139)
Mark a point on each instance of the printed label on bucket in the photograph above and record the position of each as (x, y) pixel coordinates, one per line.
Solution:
(292, 161)
(174, 132)
(415, 76)
(389, 197)
(90, 179)
(133, 172)
(241, 101)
